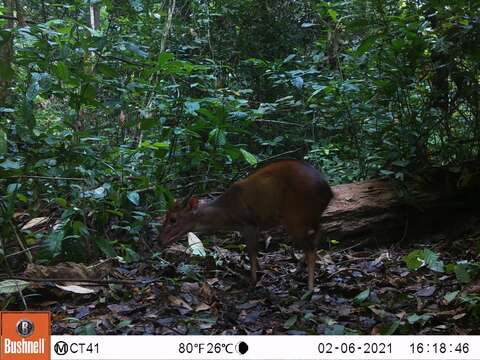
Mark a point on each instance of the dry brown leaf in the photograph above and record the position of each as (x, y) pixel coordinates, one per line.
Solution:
(76, 289)
(202, 307)
(176, 248)
(206, 293)
(35, 222)
(174, 300)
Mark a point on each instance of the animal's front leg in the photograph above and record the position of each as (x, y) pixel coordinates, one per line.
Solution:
(251, 235)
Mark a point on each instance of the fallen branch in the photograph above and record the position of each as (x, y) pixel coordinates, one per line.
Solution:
(80, 280)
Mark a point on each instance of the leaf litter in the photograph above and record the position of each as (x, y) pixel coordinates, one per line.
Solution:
(370, 291)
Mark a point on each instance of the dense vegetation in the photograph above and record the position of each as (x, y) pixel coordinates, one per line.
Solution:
(111, 108)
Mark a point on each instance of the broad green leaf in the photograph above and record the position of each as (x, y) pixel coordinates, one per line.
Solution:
(333, 14)
(336, 329)
(414, 260)
(209, 115)
(432, 261)
(148, 123)
(249, 157)
(190, 271)
(88, 92)
(462, 272)
(365, 45)
(54, 241)
(5, 36)
(412, 319)
(360, 298)
(124, 323)
(131, 255)
(164, 58)
(26, 112)
(161, 145)
(217, 137)
(155, 146)
(107, 70)
(11, 165)
(136, 49)
(290, 322)
(418, 258)
(391, 329)
(449, 297)
(61, 71)
(88, 329)
(350, 86)
(79, 228)
(13, 187)
(13, 286)
(106, 247)
(22, 198)
(61, 202)
(134, 197)
(319, 88)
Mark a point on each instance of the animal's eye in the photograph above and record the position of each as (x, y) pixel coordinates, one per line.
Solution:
(172, 220)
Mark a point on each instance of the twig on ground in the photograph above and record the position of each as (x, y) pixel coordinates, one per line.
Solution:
(79, 280)
(20, 243)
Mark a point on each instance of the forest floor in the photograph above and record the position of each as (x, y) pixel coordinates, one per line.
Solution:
(357, 292)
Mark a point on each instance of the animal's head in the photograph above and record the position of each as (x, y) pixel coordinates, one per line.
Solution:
(180, 219)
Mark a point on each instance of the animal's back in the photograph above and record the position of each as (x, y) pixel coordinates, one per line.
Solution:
(286, 192)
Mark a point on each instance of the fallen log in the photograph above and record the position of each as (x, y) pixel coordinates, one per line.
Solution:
(384, 211)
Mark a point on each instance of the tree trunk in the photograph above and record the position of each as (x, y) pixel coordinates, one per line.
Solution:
(6, 53)
(20, 13)
(167, 27)
(95, 15)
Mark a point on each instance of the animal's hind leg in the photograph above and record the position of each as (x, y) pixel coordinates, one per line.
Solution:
(251, 237)
(310, 240)
(306, 240)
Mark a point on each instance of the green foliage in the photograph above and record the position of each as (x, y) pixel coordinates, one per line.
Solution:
(360, 298)
(464, 270)
(100, 127)
(419, 258)
(13, 286)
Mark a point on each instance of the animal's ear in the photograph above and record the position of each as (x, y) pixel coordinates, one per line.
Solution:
(193, 203)
(186, 199)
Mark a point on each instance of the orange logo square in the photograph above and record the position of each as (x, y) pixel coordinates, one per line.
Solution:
(25, 335)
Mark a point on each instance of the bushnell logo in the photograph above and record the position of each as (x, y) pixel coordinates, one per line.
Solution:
(25, 335)
(25, 327)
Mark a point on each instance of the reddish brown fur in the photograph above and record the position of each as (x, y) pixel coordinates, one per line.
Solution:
(288, 192)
